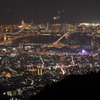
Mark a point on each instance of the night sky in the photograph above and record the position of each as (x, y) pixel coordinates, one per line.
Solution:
(42, 11)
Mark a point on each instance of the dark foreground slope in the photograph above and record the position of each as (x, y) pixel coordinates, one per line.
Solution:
(79, 87)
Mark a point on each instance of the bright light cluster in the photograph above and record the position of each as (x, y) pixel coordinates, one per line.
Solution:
(90, 24)
(83, 52)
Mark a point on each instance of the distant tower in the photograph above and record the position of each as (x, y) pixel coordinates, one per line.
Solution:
(47, 28)
(22, 22)
(75, 28)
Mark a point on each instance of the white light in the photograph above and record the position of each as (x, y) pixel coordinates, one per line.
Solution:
(83, 51)
(4, 93)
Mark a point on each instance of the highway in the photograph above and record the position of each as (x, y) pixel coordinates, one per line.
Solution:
(54, 53)
(48, 53)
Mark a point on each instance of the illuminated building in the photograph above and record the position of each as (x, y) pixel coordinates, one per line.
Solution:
(11, 30)
(5, 38)
(6, 30)
(22, 22)
(40, 71)
(98, 31)
(2, 29)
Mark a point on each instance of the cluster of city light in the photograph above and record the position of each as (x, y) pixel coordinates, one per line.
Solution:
(90, 24)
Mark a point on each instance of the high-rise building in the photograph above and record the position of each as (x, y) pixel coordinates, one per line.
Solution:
(47, 28)
(75, 28)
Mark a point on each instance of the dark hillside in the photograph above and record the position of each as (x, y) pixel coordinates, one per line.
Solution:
(75, 85)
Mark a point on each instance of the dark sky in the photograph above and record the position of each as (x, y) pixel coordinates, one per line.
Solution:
(41, 11)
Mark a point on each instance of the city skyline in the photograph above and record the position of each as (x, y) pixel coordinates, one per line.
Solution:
(46, 43)
(35, 56)
(12, 12)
